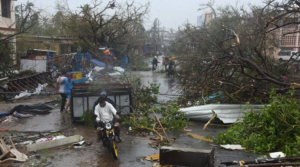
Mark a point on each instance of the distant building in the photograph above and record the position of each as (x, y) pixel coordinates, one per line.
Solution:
(200, 20)
(61, 45)
(288, 41)
(204, 19)
(167, 37)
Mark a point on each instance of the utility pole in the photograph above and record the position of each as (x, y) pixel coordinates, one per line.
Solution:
(158, 39)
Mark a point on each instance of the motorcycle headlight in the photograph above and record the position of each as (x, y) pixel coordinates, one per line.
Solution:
(108, 126)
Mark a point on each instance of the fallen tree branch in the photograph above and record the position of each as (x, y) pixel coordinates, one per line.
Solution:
(214, 116)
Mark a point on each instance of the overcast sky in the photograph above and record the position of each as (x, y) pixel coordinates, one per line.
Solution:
(171, 13)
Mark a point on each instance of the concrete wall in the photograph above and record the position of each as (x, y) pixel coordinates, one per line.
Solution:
(35, 65)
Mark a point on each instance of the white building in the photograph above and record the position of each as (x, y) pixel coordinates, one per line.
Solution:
(200, 20)
(8, 20)
(167, 37)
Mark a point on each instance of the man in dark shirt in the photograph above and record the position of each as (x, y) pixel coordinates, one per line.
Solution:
(154, 63)
(171, 69)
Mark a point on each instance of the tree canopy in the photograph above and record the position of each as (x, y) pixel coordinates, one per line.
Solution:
(99, 25)
(234, 53)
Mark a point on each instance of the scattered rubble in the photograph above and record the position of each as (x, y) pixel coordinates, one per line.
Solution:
(154, 157)
(9, 155)
(25, 86)
(200, 137)
(233, 147)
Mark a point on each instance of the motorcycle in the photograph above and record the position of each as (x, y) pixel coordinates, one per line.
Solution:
(109, 138)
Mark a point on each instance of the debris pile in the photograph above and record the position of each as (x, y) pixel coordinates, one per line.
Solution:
(25, 111)
(25, 86)
(9, 154)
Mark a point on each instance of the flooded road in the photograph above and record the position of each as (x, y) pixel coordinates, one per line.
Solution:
(131, 152)
(167, 88)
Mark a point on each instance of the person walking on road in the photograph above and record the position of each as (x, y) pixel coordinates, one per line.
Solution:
(171, 69)
(166, 62)
(154, 63)
(60, 88)
(69, 83)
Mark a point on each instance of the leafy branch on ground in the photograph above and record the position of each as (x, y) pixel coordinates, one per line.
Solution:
(143, 119)
(274, 128)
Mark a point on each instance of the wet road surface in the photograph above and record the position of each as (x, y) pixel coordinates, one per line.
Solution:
(130, 152)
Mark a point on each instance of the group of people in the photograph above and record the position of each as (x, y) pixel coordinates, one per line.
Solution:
(168, 63)
(104, 108)
(63, 87)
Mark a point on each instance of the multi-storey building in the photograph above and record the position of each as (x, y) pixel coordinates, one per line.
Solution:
(167, 37)
(289, 41)
(8, 20)
(204, 19)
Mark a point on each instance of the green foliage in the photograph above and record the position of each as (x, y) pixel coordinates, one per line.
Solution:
(173, 120)
(274, 128)
(6, 59)
(142, 118)
(169, 115)
(147, 94)
(88, 118)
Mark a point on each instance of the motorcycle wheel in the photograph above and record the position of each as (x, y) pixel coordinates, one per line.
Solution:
(113, 148)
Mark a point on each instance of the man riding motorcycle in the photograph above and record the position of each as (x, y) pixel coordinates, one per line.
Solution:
(106, 112)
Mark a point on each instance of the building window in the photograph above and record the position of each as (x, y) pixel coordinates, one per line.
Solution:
(5, 8)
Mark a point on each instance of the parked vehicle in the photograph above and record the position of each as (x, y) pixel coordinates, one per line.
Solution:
(287, 54)
(109, 138)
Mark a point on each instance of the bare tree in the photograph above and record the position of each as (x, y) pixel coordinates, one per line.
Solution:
(100, 24)
(234, 54)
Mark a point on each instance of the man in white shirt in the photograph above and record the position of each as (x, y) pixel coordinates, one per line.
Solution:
(60, 88)
(106, 112)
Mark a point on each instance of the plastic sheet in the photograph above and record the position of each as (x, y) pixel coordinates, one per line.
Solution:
(36, 92)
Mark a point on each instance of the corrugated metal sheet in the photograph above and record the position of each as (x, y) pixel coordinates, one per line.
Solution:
(228, 113)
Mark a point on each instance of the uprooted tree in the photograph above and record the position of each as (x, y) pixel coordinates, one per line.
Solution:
(104, 25)
(234, 53)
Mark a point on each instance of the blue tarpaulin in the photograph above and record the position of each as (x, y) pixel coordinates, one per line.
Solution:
(214, 95)
(98, 63)
(79, 56)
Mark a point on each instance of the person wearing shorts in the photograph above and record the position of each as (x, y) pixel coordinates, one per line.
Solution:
(69, 83)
